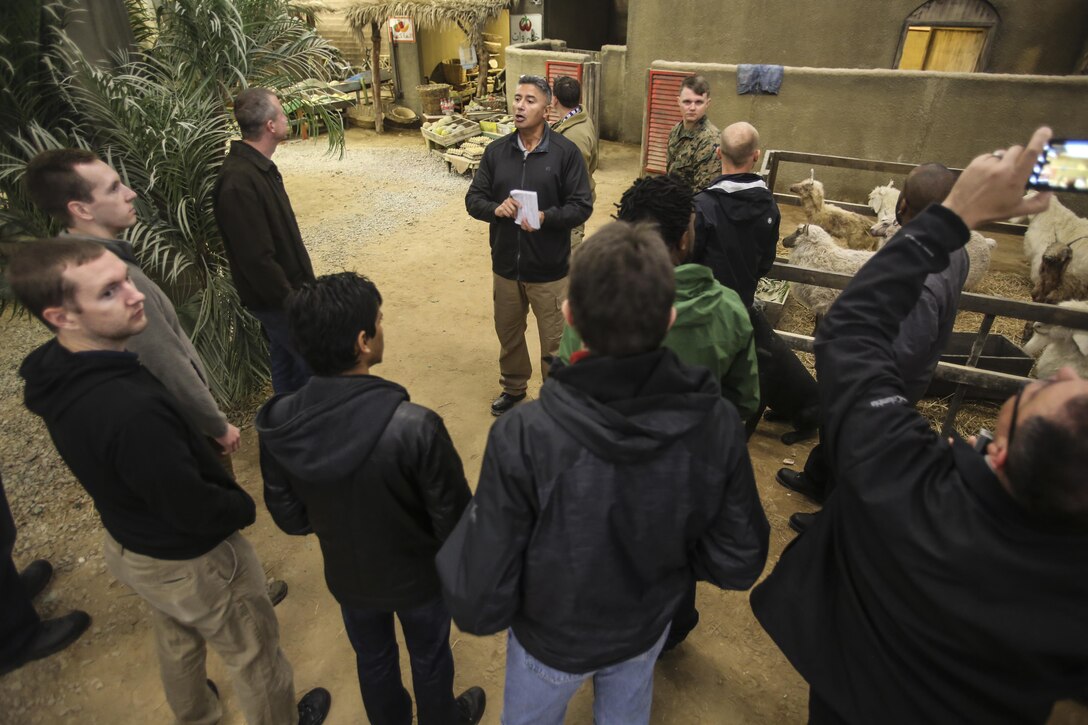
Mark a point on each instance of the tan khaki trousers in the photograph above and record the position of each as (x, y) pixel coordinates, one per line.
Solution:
(220, 599)
(512, 302)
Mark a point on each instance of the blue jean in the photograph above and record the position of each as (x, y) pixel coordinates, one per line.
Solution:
(427, 635)
(536, 694)
(289, 371)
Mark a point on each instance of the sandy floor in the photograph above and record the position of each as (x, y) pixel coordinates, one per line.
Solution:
(434, 274)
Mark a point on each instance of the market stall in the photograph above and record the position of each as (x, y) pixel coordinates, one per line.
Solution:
(469, 15)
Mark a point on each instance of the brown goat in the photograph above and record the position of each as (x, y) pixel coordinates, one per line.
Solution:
(843, 226)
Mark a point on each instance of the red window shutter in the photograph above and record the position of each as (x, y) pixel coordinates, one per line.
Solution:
(662, 113)
(554, 69)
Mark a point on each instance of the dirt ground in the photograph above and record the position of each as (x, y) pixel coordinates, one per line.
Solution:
(434, 274)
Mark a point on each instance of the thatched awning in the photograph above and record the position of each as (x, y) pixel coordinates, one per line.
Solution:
(468, 15)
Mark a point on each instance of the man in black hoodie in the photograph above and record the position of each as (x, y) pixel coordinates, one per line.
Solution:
(736, 218)
(172, 514)
(377, 478)
(598, 504)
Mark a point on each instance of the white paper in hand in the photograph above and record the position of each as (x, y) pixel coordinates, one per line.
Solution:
(527, 209)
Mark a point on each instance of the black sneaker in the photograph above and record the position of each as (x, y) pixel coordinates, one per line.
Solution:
(800, 522)
(277, 590)
(36, 575)
(52, 636)
(505, 402)
(471, 704)
(314, 706)
(798, 483)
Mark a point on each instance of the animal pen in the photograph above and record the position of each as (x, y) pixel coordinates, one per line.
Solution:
(962, 376)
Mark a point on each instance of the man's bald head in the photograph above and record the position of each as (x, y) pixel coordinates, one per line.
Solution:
(926, 184)
(739, 147)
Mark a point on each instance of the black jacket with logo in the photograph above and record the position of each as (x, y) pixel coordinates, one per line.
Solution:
(923, 593)
(597, 504)
(374, 476)
(736, 231)
(155, 481)
(556, 171)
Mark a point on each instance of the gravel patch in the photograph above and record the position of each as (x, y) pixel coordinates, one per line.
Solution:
(377, 192)
(50, 507)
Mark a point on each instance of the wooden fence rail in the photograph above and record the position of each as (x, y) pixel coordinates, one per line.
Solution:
(963, 375)
(774, 157)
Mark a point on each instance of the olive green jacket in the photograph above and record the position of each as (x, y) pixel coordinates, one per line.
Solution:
(579, 130)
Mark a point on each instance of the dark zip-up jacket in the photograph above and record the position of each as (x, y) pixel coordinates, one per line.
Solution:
(556, 172)
(923, 593)
(155, 481)
(374, 476)
(260, 234)
(598, 503)
(736, 231)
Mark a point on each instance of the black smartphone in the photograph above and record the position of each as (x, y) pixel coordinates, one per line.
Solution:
(1063, 166)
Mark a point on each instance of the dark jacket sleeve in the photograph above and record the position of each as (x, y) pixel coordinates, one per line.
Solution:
(480, 564)
(242, 221)
(155, 462)
(478, 201)
(769, 243)
(441, 478)
(287, 509)
(740, 383)
(577, 201)
(703, 230)
(871, 430)
(733, 551)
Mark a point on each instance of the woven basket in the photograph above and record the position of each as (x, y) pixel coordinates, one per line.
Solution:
(431, 95)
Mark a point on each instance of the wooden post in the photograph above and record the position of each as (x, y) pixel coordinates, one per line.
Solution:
(376, 74)
(961, 389)
(481, 66)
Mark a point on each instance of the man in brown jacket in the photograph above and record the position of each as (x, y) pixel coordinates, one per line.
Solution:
(577, 127)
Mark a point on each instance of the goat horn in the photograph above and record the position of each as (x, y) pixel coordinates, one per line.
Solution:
(812, 174)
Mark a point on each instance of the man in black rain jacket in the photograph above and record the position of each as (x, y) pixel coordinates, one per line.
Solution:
(597, 504)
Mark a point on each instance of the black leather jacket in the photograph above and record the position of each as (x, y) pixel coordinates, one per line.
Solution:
(374, 476)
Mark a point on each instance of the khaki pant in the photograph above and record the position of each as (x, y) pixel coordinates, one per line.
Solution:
(512, 302)
(220, 599)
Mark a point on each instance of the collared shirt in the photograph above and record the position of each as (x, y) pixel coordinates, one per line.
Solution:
(576, 110)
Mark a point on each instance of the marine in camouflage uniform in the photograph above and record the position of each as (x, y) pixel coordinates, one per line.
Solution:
(691, 153)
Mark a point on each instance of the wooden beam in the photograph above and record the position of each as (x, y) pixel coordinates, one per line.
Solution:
(952, 372)
(866, 210)
(969, 301)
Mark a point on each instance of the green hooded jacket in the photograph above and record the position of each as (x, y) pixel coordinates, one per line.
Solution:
(712, 329)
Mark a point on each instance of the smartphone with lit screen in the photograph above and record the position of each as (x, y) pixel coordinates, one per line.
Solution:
(1063, 166)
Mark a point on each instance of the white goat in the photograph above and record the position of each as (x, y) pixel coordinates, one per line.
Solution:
(851, 228)
(1056, 346)
(1059, 260)
(883, 200)
(979, 250)
(811, 246)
